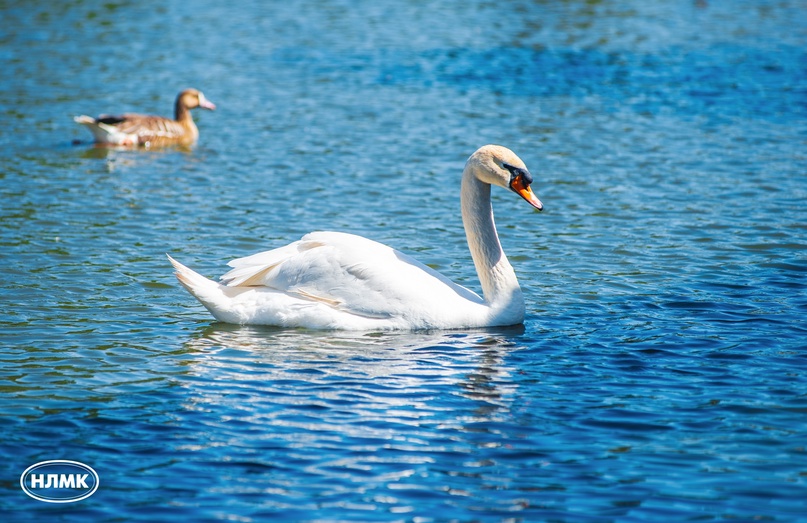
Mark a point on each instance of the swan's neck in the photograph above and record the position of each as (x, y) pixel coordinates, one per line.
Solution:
(496, 275)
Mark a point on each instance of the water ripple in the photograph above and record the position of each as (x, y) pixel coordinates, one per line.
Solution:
(658, 375)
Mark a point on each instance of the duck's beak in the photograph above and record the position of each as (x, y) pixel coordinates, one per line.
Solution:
(204, 103)
(522, 187)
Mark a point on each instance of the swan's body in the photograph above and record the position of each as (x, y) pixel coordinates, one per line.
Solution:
(330, 280)
(147, 130)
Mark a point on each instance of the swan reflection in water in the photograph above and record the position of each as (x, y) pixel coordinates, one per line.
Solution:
(383, 369)
(318, 417)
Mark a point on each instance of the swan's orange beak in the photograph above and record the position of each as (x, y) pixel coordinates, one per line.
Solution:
(522, 187)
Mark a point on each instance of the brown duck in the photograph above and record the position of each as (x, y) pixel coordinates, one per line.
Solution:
(147, 130)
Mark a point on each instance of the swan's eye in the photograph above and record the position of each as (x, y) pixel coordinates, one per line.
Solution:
(516, 172)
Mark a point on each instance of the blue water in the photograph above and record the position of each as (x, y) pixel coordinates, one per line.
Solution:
(660, 375)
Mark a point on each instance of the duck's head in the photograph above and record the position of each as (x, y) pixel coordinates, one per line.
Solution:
(193, 98)
(500, 166)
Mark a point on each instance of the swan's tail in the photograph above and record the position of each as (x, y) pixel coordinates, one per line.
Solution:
(215, 297)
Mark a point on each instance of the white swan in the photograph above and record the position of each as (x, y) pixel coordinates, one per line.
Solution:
(331, 280)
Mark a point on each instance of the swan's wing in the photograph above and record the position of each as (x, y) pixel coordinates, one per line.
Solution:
(349, 273)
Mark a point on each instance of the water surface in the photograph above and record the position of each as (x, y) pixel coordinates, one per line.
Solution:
(659, 375)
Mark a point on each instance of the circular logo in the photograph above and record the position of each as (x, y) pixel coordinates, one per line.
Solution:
(59, 481)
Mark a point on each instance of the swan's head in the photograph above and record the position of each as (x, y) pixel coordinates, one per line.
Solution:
(500, 166)
(193, 98)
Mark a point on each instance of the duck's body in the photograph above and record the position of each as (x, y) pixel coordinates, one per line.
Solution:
(148, 130)
(330, 280)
